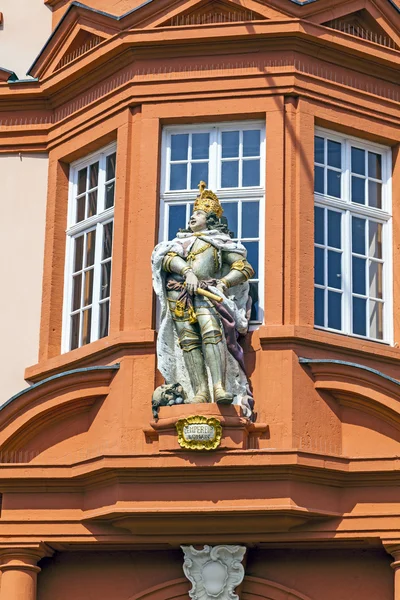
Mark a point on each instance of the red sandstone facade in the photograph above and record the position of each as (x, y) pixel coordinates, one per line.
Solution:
(96, 497)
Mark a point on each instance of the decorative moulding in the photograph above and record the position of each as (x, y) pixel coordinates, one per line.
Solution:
(214, 572)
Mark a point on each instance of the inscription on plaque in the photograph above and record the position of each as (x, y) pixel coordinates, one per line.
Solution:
(199, 433)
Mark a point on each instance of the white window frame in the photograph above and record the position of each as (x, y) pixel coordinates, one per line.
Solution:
(73, 230)
(243, 194)
(381, 215)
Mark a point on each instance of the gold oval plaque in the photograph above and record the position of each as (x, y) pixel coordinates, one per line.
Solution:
(199, 433)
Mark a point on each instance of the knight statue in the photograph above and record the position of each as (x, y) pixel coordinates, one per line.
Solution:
(201, 280)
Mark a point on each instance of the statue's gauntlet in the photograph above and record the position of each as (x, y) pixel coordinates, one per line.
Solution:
(173, 263)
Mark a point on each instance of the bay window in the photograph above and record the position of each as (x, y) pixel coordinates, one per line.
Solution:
(230, 158)
(89, 249)
(352, 260)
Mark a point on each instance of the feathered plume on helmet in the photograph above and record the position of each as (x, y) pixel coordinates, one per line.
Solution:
(208, 201)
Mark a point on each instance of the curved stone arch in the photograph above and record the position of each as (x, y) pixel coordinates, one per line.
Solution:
(253, 588)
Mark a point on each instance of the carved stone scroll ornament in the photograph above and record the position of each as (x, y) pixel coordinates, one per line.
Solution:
(214, 571)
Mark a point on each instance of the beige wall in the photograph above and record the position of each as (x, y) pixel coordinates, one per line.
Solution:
(26, 27)
(22, 225)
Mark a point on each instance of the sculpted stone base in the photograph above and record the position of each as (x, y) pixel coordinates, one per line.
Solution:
(238, 433)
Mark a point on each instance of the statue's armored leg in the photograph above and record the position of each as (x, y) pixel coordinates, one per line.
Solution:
(190, 342)
(214, 352)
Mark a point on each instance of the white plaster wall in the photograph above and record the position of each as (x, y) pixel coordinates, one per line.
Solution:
(22, 229)
(25, 29)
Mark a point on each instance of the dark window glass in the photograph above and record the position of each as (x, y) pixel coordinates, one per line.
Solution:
(230, 144)
(104, 319)
(87, 323)
(251, 173)
(358, 161)
(334, 229)
(230, 174)
(319, 307)
(78, 253)
(199, 173)
(105, 280)
(334, 183)
(334, 154)
(359, 316)
(94, 175)
(319, 149)
(252, 255)
(359, 284)
(358, 235)
(374, 165)
(358, 190)
(319, 267)
(178, 177)
(251, 143)
(319, 180)
(319, 235)
(177, 220)
(334, 310)
(250, 219)
(179, 146)
(107, 240)
(75, 321)
(110, 166)
(200, 145)
(231, 214)
(335, 269)
(82, 175)
(110, 193)
(375, 194)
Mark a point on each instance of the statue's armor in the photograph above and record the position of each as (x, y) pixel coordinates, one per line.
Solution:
(202, 341)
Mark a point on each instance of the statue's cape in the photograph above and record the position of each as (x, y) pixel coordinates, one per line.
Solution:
(170, 358)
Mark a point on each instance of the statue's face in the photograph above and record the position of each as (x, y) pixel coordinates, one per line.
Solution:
(198, 221)
(214, 577)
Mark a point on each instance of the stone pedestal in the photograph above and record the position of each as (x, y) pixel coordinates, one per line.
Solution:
(19, 571)
(238, 433)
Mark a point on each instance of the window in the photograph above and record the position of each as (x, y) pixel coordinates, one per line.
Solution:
(352, 258)
(230, 159)
(89, 249)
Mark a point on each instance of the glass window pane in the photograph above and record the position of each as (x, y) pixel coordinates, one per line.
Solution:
(334, 229)
(319, 149)
(251, 173)
(178, 177)
(334, 154)
(357, 161)
(319, 180)
(88, 288)
(179, 146)
(319, 230)
(374, 165)
(359, 316)
(251, 143)
(375, 239)
(107, 240)
(199, 173)
(375, 279)
(110, 194)
(75, 321)
(104, 319)
(319, 307)
(253, 294)
(177, 219)
(87, 323)
(78, 262)
(231, 214)
(334, 310)
(230, 144)
(76, 294)
(250, 219)
(93, 175)
(358, 235)
(376, 320)
(110, 166)
(335, 269)
(200, 145)
(90, 248)
(319, 266)
(359, 284)
(334, 183)
(92, 207)
(105, 280)
(82, 176)
(375, 194)
(230, 174)
(252, 255)
(80, 208)
(358, 190)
